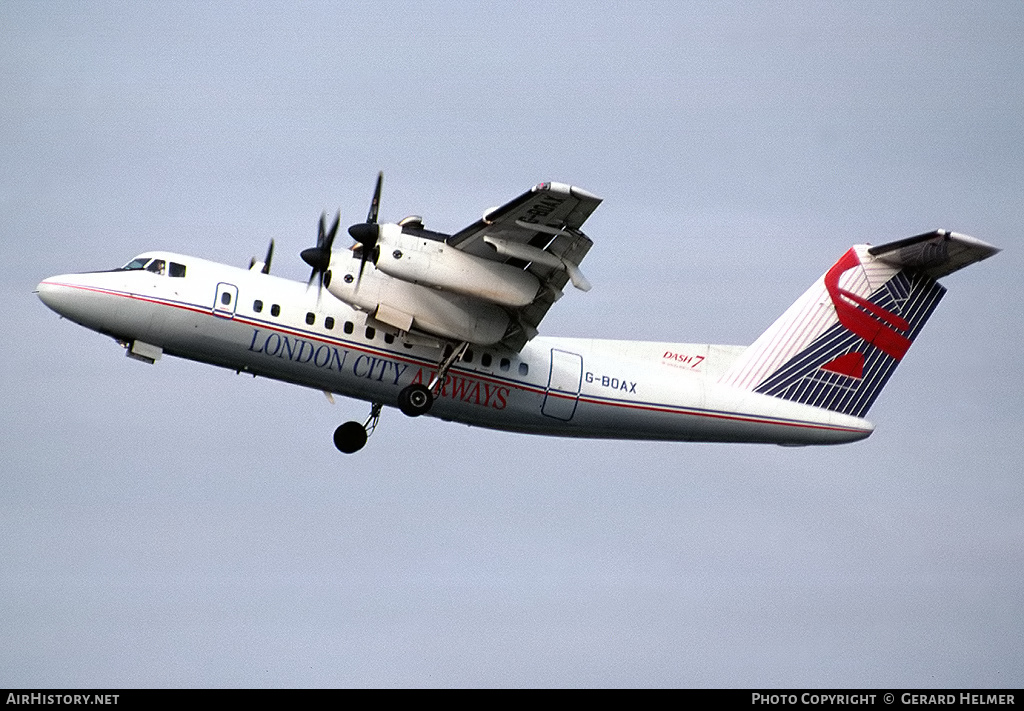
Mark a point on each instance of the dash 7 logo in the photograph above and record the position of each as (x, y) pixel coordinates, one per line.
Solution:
(684, 358)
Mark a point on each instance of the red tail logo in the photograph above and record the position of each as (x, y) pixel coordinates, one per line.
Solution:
(874, 324)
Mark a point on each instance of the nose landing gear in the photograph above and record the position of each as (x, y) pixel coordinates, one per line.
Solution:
(351, 436)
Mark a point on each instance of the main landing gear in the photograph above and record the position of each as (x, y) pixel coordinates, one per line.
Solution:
(417, 399)
(351, 436)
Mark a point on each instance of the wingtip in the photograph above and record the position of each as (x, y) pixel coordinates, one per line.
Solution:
(567, 190)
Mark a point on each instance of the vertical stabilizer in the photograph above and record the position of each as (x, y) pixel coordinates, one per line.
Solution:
(836, 346)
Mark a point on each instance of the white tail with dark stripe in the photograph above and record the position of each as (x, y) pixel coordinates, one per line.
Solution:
(836, 346)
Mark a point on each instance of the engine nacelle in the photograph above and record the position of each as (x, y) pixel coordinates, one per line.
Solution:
(438, 265)
(405, 305)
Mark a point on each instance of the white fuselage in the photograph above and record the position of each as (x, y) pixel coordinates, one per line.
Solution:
(556, 386)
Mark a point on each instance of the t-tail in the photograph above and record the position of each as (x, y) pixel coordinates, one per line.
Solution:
(836, 346)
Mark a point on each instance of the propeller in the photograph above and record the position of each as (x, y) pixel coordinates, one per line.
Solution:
(319, 257)
(368, 233)
(266, 260)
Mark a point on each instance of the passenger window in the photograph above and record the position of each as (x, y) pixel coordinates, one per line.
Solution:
(370, 332)
(388, 338)
(524, 369)
(310, 318)
(225, 298)
(257, 306)
(467, 357)
(275, 310)
(329, 323)
(485, 360)
(349, 327)
(177, 270)
(505, 363)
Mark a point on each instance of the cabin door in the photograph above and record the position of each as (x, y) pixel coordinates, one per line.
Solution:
(563, 385)
(224, 303)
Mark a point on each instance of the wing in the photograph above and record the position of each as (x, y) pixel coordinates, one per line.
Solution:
(539, 231)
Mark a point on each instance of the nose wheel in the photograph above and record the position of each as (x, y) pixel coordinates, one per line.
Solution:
(351, 436)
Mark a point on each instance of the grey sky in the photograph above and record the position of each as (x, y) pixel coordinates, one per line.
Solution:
(179, 525)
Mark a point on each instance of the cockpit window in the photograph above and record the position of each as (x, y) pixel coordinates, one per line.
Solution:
(138, 263)
(156, 266)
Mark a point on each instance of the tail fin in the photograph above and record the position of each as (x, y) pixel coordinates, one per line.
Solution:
(838, 344)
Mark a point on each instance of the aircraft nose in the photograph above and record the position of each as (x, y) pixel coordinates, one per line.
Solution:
(54, 293)
(73, 296)
(81, 298)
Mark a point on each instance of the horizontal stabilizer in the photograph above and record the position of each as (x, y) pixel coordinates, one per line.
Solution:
(935, 254)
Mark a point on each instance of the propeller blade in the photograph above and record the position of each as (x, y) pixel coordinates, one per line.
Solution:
(371, 216)
(362, 265)
(266, 261)
(334, 231)
(309, 256)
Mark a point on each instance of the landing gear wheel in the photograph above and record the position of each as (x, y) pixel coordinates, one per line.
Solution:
(350, 437)
(415, 400)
